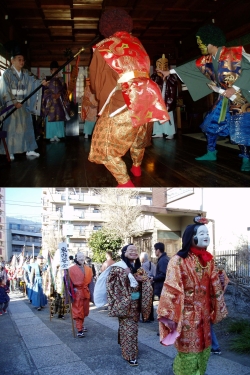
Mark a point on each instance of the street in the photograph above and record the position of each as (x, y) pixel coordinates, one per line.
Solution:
(31, 344)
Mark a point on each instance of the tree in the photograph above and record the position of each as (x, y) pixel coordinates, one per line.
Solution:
(102, 241)
(50, 242)
(120, 212)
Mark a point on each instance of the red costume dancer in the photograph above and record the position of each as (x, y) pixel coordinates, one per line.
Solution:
(81, 276)
(129, 101)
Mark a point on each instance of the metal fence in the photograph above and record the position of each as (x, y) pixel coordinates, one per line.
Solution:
(236, 264)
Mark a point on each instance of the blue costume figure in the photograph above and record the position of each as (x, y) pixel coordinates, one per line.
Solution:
(39, 299)
(225, 70)
(27, 274)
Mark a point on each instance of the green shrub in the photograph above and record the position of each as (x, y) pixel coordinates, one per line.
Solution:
(102, 241)
(239, 326)
(240, 343)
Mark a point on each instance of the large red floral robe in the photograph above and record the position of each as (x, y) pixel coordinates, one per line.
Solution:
(192, 297)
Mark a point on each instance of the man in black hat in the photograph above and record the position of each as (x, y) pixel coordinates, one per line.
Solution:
(16, 84)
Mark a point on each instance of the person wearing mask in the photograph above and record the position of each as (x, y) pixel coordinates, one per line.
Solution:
(80, 276)
(168, 87)
(226, 71)
(191, 299)
(129, 292)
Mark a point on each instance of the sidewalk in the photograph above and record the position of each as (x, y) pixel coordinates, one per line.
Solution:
(31, 344)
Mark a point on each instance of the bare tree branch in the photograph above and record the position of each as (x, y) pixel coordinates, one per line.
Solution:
(121, 212)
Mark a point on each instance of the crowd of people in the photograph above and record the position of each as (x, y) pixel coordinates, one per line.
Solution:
(188, 288)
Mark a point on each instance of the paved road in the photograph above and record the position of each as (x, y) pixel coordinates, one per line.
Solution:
(31, 344)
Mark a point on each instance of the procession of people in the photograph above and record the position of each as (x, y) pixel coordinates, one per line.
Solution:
(190, 294)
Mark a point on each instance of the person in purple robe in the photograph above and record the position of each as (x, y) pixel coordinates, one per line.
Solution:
(55, 105)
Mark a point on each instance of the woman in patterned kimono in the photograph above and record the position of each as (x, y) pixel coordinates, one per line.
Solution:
(129, 293)
(191, 299)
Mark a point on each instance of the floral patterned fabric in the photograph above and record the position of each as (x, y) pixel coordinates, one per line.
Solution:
(127, 310)
(192, 297)
(125, 54)
(113, 137)
(52, 106)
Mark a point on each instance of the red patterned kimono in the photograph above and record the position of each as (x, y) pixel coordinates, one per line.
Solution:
(129, 102)
(192, 297)
(80, 305)
(127, 310)
(125, 55)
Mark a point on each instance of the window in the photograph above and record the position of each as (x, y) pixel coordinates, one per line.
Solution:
(97, 227)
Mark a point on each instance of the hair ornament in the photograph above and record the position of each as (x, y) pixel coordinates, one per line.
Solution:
(200, 220)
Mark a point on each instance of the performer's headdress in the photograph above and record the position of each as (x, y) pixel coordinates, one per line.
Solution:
(113, 20)
(188, 234)
(211, 34)
(162, 63)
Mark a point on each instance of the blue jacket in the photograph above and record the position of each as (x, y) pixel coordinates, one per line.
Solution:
(4, 297)
(160, 274)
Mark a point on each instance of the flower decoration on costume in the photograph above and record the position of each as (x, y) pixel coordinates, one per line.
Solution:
(200, 220)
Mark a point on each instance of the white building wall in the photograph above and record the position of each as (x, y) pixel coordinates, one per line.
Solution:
(228, 207)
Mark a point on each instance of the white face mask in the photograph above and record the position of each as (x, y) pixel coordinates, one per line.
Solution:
(80, 259)
(201, 239)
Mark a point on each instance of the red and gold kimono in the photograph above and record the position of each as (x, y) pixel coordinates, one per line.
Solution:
(129, 102)
(80, 305)
(126, 56)
(192, 297)
(126, 309)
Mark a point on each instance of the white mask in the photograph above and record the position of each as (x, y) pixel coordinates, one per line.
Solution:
(201, 239)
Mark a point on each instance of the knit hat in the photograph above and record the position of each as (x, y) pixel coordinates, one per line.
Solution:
(210, 34)
(113, 20)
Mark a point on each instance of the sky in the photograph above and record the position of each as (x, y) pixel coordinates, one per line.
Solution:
(24, 203)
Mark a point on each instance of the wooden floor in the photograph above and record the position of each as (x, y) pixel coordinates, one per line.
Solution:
(166, 164)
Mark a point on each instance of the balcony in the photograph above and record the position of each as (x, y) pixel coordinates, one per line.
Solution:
(80, 198)
(79, 233)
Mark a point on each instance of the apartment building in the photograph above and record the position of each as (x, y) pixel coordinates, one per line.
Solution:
(73, 214)
(23, 235)
(3, 250)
